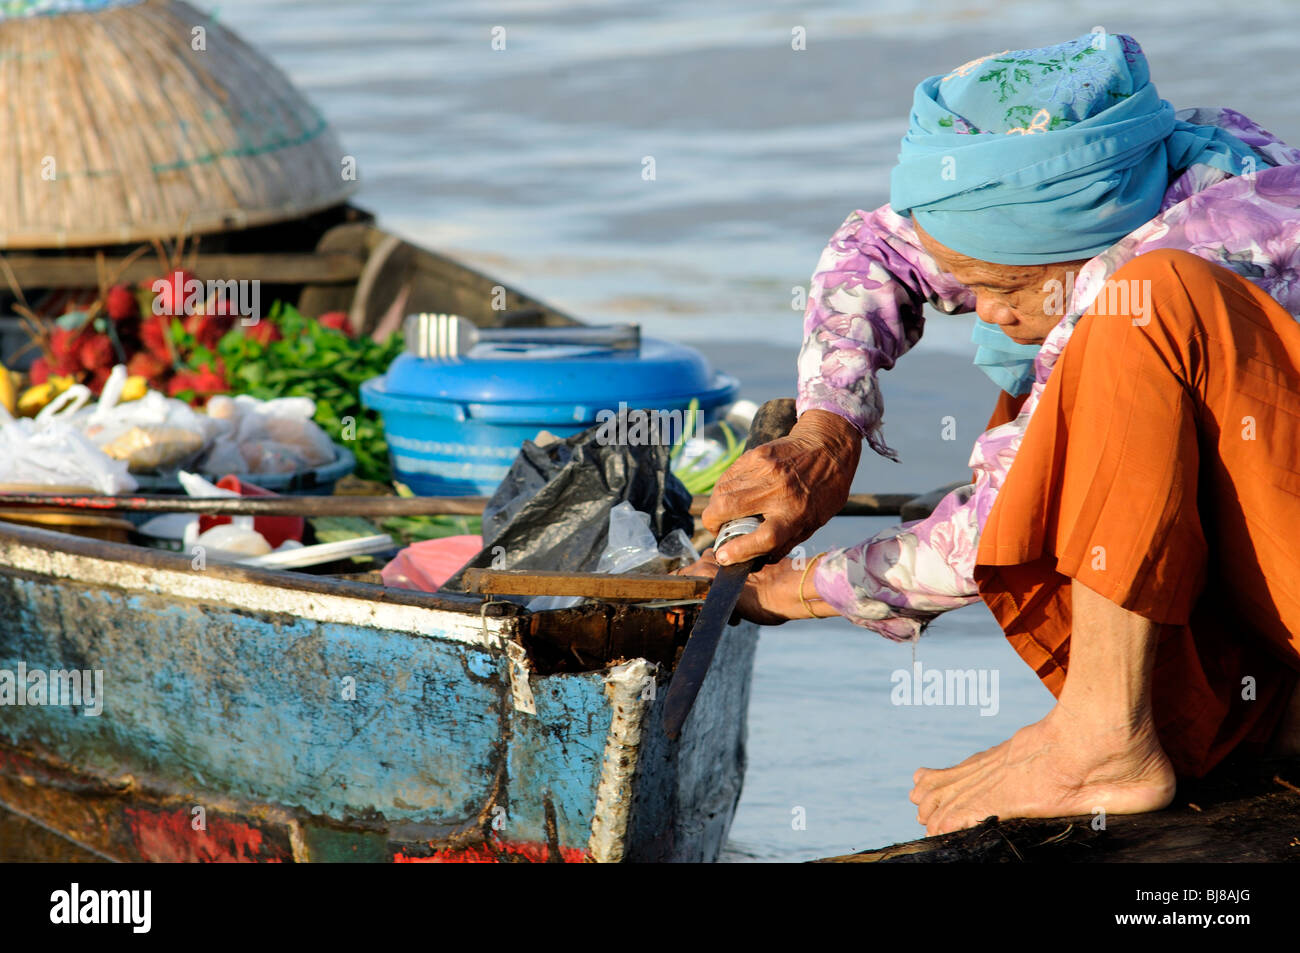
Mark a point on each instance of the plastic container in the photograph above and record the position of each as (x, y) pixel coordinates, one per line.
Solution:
(274, 529)
(454, 425)
(316, 482)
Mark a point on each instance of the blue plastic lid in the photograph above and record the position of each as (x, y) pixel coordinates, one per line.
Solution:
(548, 373)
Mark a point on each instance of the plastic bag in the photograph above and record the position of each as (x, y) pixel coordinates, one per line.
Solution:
(148, 449)
(272, 436)
(428, 564)
(228, 540)
(631, 547)
(552, 510)
(152, 434)
(54, 453)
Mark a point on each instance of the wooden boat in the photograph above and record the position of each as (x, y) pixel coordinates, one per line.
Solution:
(254, 715)
(335, 260)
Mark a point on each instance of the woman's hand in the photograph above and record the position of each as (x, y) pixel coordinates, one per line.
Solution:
(797, 482)
(771, 594)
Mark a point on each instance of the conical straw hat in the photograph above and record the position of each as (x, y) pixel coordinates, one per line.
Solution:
(115, 128)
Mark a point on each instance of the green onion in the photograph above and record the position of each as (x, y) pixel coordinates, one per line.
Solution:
(700, 480)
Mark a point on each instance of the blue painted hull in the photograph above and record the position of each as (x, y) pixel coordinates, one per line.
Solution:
(253, 715)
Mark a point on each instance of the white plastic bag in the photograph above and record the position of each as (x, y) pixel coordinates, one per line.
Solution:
(152, 433)
(228, 541)
(631, 547)
(272, 436)
(53, 453)
(50, 450)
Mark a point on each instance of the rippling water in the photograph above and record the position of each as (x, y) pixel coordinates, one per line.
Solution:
(528, 162)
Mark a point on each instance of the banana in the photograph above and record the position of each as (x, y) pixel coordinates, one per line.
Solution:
(8, 393)
(35, 398)
(134, 388)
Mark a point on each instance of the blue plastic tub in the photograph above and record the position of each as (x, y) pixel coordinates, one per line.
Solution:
(454, 426)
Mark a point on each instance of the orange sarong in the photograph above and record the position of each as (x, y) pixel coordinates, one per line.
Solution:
(1161, 469)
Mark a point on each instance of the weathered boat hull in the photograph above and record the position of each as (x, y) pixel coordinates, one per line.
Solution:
(262, 716)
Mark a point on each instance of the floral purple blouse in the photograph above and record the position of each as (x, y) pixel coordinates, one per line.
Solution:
(865, 311)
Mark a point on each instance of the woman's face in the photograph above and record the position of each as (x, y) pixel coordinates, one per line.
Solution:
(1010, 296)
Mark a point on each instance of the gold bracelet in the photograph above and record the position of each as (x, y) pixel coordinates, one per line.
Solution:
(804, 579)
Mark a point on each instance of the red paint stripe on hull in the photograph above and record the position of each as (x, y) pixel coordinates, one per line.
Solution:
(169, 837)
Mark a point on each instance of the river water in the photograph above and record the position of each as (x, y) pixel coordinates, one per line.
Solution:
(533, 163)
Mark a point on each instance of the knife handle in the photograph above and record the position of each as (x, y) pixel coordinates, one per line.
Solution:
(737, 527)
(774, 419)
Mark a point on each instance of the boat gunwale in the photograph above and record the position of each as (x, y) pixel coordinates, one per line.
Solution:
(157, 559)
(479, 620)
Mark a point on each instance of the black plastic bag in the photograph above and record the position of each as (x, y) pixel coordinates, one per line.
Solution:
(551, 512)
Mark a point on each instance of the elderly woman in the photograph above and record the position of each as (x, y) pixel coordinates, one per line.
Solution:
(1135, 500)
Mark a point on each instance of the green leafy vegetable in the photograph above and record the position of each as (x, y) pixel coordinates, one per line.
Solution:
(311, 360)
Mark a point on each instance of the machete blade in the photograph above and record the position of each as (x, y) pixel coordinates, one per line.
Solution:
(774, 419)
(712, 621)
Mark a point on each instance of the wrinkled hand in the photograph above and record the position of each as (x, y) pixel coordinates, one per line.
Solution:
(797, 482)
(770, 596)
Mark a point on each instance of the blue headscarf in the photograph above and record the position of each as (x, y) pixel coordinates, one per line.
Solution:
(1030, 157)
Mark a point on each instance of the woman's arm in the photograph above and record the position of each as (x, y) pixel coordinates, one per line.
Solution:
(901, 579)
(864, 312)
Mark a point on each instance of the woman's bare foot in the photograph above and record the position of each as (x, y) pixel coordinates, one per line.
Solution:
(1058, 767)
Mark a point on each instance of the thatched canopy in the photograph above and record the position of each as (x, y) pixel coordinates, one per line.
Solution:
(121, 121)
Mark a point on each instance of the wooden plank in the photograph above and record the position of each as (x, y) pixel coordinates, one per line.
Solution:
(874, 504)
(592, 585)
(75, 271)
(27, 841)
(349, 238)
(860, 504)
(346, 505)
(919, 507)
